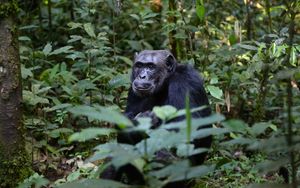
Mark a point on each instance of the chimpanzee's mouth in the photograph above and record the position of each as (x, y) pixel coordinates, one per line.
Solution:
(143, 91)
(143, 88)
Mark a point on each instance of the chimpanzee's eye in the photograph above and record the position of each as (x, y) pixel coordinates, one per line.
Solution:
(151, 66)
(138, 65)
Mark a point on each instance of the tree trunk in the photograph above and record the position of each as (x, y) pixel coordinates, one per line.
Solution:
(14, 161)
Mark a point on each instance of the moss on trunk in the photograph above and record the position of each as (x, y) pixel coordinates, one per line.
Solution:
(14, 161)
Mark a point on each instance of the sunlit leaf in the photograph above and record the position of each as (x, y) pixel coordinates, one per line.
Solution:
(25, 72)
(89, 29)
(164, 112)
(247, 47)
(200, 9)
(90, 133)
(215, 91)
(100, 113)
(47, 49)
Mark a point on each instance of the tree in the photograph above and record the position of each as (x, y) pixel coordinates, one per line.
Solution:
(14, 161)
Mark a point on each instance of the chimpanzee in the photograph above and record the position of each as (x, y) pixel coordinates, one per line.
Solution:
(157, 79)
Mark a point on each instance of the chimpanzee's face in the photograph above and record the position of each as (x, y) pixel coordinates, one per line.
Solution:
(150, 70)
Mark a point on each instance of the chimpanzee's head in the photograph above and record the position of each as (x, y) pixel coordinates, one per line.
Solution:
(150, 70)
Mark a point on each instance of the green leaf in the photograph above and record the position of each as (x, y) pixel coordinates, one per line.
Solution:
(293, 58)
(196, 122)
(101, 113)
(236, 125)
(181, 170)
(164, 112)
(26, 72)
(61, 50)
(34, 180)
(119, 80)
(93, 183)
(180, 35)
(74, 38)
(59, 106)
(125, 59)
(200, 9)
(90, 133)
(24, 38)
(268, 166)
(248, 47)
(215, 91)
(135, 16)
(57, 132)
(202, 133)
(89, 30)
(259, 128)
(160, 139)
(33, 99)
(136, 45)
(47, 49)
(232, 39)
(74, 25)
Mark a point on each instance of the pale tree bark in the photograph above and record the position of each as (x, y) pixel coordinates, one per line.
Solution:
(14, 161)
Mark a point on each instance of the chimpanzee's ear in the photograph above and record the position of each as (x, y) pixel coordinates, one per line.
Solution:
(171, 63)
(135, 55)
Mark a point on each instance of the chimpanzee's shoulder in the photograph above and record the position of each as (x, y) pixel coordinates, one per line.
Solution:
(186, 74)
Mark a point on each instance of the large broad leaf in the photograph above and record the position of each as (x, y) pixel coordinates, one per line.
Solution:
(236, 125)
(269, 166)
(201, 133)
(259, 128)
(47, 49)
(93, 183)
(26, 73)
(215, 92)
(121, 154)
(164, 112)
(101, 113)
(159, 139)
(90, 133)
(185, 150)
(193, 172)
(196, 123)
(65, 49)
(89, 29)
(108, 149)
(182, 170)
(119, 80)
(239, 141)
(124, 59)
(273, 144)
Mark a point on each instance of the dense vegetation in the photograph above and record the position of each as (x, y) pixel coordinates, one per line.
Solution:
(76, 57)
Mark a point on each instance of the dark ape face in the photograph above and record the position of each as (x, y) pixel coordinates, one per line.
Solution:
(150, 71)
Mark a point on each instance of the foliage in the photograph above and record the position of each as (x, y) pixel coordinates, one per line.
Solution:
(76, 58)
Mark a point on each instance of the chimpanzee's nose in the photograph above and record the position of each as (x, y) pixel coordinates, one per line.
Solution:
(142, 76)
